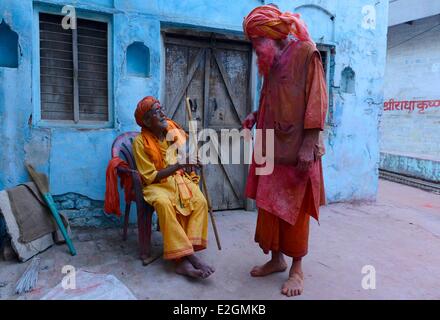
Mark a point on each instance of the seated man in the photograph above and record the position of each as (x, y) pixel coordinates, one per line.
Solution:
(180, 205)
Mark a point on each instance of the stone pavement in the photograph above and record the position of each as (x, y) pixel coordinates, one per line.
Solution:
(399, 236)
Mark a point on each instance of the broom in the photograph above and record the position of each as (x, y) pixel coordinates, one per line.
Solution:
(29, 279)
(42, 183)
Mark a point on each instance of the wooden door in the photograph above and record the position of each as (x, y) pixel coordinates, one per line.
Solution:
(215, 75)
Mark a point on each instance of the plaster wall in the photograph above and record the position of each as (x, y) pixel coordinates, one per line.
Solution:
(75, 158)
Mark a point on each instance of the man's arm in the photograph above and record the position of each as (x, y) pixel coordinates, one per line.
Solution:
(316, 110)
(168, 171)
(171, 169)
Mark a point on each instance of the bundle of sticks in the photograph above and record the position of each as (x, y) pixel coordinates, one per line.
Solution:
(29, 279)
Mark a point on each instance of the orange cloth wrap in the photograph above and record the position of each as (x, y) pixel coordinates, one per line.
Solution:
(274, 234)
(111, 202)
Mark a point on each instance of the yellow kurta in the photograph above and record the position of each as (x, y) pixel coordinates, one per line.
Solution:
(184, 225)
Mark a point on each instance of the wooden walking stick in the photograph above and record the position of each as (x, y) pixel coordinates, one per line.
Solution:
(202, 172)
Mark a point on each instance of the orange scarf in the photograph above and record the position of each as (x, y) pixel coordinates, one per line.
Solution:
(151, 143)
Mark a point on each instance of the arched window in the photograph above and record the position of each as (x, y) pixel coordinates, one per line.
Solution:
(8, 47)
(138, 60)
(348, 78)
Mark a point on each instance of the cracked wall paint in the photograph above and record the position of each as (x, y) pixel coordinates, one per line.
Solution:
(76, 159)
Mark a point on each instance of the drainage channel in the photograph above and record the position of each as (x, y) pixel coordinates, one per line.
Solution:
(410, 181)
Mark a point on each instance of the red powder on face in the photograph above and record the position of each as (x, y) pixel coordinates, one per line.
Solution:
(266, 51)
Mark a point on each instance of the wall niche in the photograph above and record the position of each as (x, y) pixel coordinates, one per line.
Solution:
(8, 46)
(348, 80)
(138, 60)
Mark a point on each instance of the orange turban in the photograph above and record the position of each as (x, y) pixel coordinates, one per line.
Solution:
(145, 105)
(269, 22)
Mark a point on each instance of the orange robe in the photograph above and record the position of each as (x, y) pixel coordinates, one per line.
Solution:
(293, 98)
(180, 205)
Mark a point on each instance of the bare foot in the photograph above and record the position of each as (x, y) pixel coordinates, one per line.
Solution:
(185, 268)
(270, 267)
(200, 265)
(294, 286)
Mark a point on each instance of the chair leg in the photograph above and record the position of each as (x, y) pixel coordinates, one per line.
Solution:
(141, 235)
(126, 220)
(148, 219)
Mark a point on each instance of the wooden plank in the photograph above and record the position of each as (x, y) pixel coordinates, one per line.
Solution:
(91, 58)
(53, 28)
(88, 24)
(57, 107)
(56, 115)
(227, 174)
(204, 44)
(75, 76)
(93, 84)
(50, 54)
(86, 91)
(57, 98)
(176, 71)
(197, 34)
(195, 89)
(93, 76)
(93, 41)
(89, 109)
(182, 89)
(56, 63)
(57, 36)
(55, 45)
(206, 89)
(103, 101)
(56, 81)
(96, 51)
(93, 67)
(93, 117)
(57, 90)
(228, 85)
(92, 32)
(56, 72)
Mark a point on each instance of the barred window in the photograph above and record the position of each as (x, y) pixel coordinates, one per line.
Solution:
(73, 70)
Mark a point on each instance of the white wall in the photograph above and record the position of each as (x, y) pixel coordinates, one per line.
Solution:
(413, 73)
(402, 11)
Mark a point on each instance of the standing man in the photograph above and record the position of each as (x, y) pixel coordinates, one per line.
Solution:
(293, 104)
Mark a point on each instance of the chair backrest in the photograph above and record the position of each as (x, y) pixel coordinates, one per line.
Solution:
(122, 147)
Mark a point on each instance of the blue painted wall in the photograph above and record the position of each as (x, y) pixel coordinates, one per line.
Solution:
(75, 159)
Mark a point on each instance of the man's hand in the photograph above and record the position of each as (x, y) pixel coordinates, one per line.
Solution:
(306, 154)
(188, 165)
(247, 125)
(250, 120)
(306, 157)
(190, 162)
